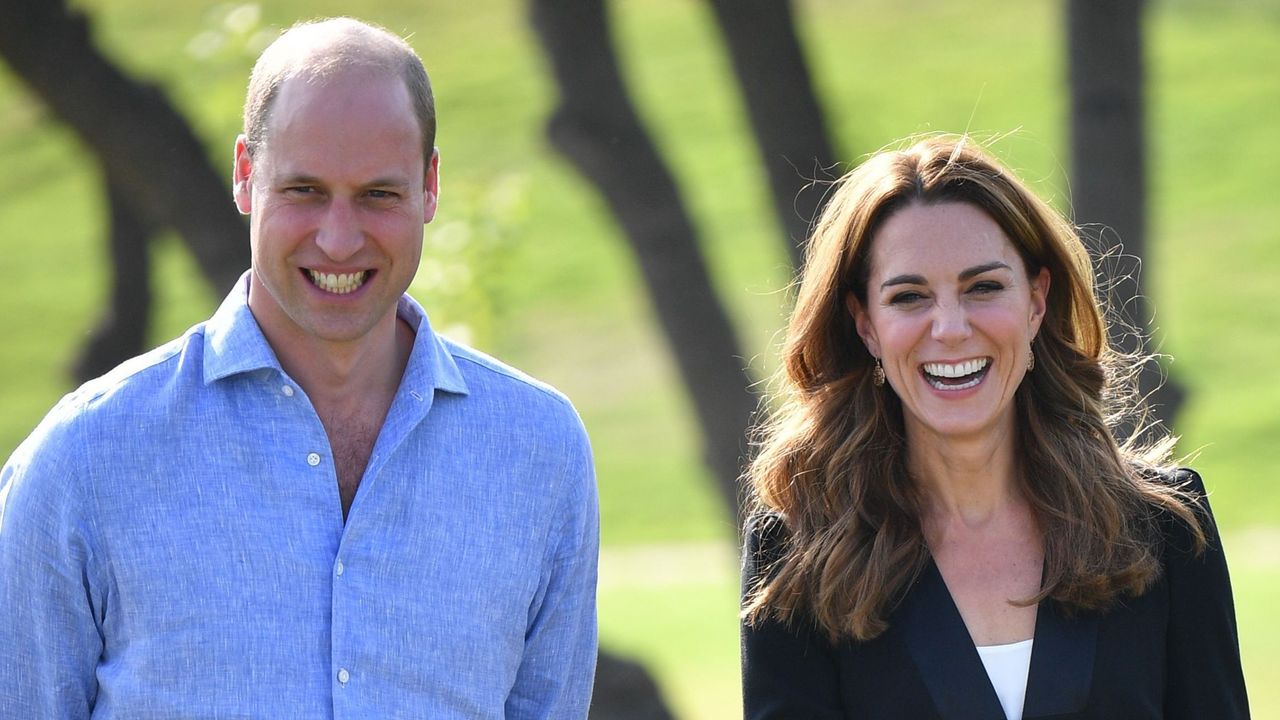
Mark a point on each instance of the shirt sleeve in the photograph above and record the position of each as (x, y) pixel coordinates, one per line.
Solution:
(789, 670)
(1203, 676)
(51, 582)
(557, 669)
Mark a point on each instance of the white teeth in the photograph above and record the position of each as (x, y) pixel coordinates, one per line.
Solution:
(338, 284)
(938, 384)
(968, 367)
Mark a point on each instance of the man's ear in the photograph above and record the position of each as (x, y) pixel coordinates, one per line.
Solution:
(242, 177)
(431, 187)
(1039, 299)
(862, 322)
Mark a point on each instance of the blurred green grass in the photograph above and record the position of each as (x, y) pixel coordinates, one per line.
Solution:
(554, 290)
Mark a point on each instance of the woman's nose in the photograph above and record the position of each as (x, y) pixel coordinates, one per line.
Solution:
(950, 323)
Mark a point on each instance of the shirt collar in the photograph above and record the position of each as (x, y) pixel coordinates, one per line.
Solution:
(431, 364)
(234, 344)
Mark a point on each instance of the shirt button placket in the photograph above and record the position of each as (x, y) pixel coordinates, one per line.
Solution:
(343, 675)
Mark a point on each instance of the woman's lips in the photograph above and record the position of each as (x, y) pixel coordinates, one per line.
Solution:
(960, 375)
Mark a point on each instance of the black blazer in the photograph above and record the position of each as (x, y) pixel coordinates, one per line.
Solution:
(1171, 653)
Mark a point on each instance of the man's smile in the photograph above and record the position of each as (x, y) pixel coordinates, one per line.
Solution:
(338, 283)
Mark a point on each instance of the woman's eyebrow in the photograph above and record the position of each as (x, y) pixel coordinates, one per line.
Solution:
(904, 280)
(964, 274)
(986, 267)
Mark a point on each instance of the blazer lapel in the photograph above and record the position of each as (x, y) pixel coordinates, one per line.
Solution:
(944, 653)
(1062, 656)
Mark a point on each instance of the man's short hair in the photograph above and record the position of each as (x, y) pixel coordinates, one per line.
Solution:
(317, 49)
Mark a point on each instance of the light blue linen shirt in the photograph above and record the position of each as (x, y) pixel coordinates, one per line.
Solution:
(172, 544)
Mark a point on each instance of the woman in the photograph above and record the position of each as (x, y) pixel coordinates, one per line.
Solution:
(946, 526)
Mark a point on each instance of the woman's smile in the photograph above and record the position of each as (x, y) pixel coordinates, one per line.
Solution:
(953, 376)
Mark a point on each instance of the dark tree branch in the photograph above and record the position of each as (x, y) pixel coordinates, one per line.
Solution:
(151, 155)
(596, 127)
(1108, 164)
(786, 118)
(121, 331)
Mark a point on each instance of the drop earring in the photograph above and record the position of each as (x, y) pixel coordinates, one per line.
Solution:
(1031, 359)
(877, 374)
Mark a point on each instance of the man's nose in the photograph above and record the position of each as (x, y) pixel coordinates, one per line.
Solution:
(950, 322)
(340, 235)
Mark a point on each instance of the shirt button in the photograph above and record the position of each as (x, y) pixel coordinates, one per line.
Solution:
(313, 459)
(343, 676)
(287, 390)
(339, 568)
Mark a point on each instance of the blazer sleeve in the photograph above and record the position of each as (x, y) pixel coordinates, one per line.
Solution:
(1203, 674)
(789, 670)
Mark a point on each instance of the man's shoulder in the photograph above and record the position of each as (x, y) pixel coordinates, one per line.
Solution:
(501, 394)
(132, 385)
(96, 417)
(488, 374)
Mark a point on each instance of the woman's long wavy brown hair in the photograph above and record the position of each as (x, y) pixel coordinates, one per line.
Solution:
(831, 457)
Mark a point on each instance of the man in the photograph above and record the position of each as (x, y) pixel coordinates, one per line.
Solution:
(310, 505)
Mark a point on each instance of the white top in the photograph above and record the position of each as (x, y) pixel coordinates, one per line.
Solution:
(1007, 666)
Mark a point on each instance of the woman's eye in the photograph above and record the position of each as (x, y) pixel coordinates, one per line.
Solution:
(985, 287)
(905, 298)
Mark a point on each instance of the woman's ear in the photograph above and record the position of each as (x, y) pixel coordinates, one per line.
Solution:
(1039, 299)
(862, 322)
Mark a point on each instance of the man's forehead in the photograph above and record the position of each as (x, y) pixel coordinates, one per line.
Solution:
(339, 84)
(353, 104)
(359, 128)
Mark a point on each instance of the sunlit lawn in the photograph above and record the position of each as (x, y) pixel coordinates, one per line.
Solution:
(552, 287)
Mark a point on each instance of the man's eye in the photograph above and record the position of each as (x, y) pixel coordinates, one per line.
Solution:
(383, 195)
(300, 190)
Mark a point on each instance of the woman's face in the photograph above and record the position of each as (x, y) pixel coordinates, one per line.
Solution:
(951, 313)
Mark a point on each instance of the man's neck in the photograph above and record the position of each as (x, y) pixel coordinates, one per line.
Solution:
(340, 377)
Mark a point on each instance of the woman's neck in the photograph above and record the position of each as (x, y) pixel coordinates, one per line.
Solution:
(970, 480)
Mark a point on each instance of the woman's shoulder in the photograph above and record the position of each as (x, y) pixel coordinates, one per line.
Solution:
(1181, 483)
(765, 537)
(1181, 478)
(1184, 533)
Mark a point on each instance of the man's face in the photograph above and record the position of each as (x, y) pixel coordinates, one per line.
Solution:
(338, 194)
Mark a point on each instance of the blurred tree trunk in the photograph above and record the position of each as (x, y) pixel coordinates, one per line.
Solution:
(154, 163)
(1108, 169)
(785, 115)
(121, 331)
(625, 691)
(597, 129)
